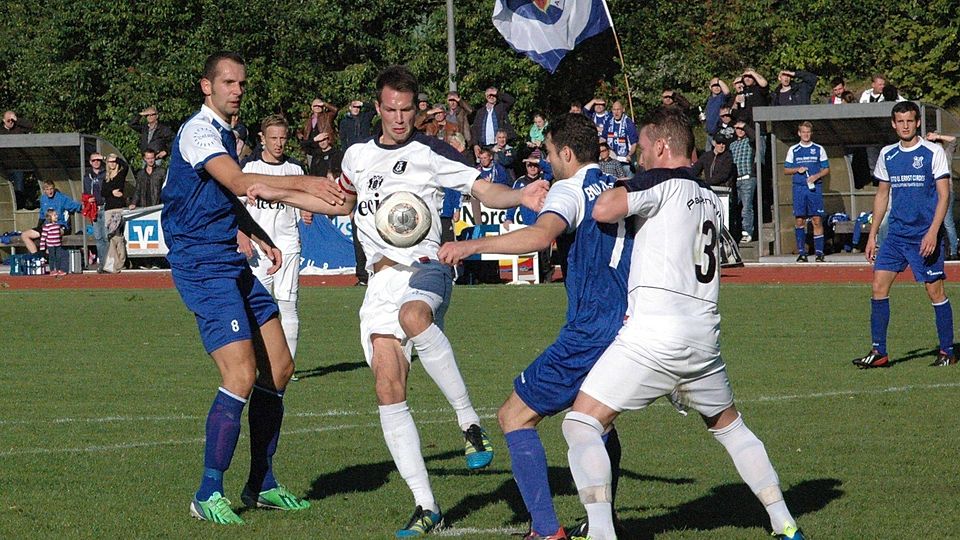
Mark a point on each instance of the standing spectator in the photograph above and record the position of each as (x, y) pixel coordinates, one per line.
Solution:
(795, 88)
(490, 170)
(153, 134)
(503, 154)
(725, 127)
(608, 165)
(596, 110)
(423, 102)
(838, 87)
(357, 124)
(149, 181)
(672, 98)
(433, 122)
(755, 94)
(535, 139)
(320, 120)
(576, 107)
(949, 144)
(741, 150)
(51, 240)
(492, 117)
(716, 165)
(13, 125)
(93, 186)
(326, 159)
(719, 94)
(458, 115)
(114, 204)
(621, 135)
(50, 199)
(921, 174)
(807, 162)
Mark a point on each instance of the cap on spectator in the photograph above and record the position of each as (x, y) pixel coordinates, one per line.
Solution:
(437, 108)
(722, 139)
(534, 158)
(422, 97)
(149, 110)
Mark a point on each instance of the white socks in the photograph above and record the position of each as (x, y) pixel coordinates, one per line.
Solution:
(753, 464)
(590, 467)
(404, 443)
(436, 355)
(290, 322)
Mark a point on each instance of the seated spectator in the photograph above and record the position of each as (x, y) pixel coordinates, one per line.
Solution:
(890, 93)
(13, 125)
(51, 241)
(536, 131)
(149, 181)
(838, 87)
(874, 94)
(356, 124)
(716, 165)
(50, 199)
(153, 134)
(719, 94)
(503, 154)
(795, 88)
(848, 97)
(490, 170)
(525, 216)
(608, 165)
(459, 143)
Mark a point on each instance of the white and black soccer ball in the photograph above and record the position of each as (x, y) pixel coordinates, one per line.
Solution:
(403, 219)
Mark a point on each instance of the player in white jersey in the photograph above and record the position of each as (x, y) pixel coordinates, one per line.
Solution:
(670, 342)
(409, 289)
(279, 221)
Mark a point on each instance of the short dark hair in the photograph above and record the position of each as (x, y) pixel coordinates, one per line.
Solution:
(150, 150)
(213, 61)
(836, 81)
(671, 125)
(903, 107)
(398, 78)
(578, 133)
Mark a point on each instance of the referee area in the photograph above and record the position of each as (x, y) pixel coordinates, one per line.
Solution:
(860, 453)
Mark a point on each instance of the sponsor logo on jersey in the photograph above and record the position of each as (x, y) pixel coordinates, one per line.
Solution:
(369, 207)
(917, 162)
(268, 205)
(399, 167)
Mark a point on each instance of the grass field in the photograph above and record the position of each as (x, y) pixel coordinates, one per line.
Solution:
(105, 395)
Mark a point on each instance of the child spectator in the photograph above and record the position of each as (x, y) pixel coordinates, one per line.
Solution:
(536, 131)
(50, 199)
(51, 239)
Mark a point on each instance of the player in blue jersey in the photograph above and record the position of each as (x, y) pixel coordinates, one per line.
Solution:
(915, 177)
(596, 303)
(670, 342)
(807, 162)
(236, 316)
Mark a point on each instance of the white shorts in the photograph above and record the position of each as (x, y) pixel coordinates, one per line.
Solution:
(394, 286)
(283, 285)
(632, 375)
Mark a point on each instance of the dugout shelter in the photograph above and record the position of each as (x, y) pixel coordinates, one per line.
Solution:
(851, 134)
(61, 157)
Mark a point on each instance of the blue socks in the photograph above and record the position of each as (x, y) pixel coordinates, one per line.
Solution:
(944, 317)
(879, 319)
(801, 233)
(265, 416)
(529, 462)
(223, 430)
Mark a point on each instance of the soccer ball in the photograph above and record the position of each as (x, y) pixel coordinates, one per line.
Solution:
(403, 219)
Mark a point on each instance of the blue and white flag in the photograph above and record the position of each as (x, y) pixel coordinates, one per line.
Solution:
(545, 30)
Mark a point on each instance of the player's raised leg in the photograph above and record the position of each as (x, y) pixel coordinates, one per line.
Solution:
(275, 367)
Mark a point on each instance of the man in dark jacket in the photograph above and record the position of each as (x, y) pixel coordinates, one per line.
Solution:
(153, 134)
(795, 88)
(356, 125)
(491, 117)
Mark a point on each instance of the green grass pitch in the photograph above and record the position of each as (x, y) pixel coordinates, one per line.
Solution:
(105, 393)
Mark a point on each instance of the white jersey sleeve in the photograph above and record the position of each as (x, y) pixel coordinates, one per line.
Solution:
(566, 199)
(644, 203)
(880, 171)
(200, 141)
(453, 174)
(347, 170)
(941, 168)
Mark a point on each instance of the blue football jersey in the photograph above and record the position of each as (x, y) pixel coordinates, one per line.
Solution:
(811, 156)
(199, 214)
(912, 173)
(598, 263)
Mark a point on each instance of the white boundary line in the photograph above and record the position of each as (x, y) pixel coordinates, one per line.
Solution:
(342, 413)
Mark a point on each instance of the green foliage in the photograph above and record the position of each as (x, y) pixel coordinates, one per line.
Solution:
(87, 65)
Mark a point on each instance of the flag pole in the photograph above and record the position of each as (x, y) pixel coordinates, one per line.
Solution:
(623, 65)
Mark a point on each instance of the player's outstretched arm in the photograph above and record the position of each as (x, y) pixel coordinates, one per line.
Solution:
(500, 196)
(611, 205)
(536, 237)
(226, 171)
(302, 199)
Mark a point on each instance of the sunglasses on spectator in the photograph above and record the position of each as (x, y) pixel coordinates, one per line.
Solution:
(740, 129)
(92, 160)
(111, 161)
(316, 106)
(354, 106)
(725, 114)
(491, 95)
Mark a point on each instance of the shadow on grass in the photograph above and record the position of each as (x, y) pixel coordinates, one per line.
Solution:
(366, 477)
(733, 505)
(320, 371)
(914, 354)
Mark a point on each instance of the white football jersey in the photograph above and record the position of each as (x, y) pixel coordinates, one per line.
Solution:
(674, 278)
(277, 219)
(422, 165)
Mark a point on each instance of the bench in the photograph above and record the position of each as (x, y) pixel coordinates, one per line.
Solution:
(69, 240)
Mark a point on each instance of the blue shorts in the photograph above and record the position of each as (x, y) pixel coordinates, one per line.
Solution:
(896, 253)
(807, 203)
(227, 304)
(551, 383)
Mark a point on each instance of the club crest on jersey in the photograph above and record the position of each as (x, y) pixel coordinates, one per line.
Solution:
(917, 162)
(399, 167)
(375, 182)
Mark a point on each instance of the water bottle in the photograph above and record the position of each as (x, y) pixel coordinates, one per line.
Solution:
(812, 186)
